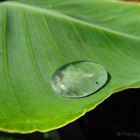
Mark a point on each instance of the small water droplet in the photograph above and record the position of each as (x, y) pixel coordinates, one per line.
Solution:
(79, 79)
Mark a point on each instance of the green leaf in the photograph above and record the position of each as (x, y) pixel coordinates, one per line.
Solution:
(39, 36)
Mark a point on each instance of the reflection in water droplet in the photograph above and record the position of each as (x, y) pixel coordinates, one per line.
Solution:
(79, 79)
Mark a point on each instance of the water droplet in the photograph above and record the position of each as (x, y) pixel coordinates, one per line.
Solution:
(79, 79)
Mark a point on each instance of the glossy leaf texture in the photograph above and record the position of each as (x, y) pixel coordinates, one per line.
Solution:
(39, 36)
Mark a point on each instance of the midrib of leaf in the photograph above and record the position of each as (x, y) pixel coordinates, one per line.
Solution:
(69, 18)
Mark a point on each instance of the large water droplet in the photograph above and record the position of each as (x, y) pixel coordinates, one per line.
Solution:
(79, 79)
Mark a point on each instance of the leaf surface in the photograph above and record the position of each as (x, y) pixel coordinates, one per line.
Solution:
(38, 37)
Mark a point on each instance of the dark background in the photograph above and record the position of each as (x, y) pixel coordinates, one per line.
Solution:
(118, 117)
